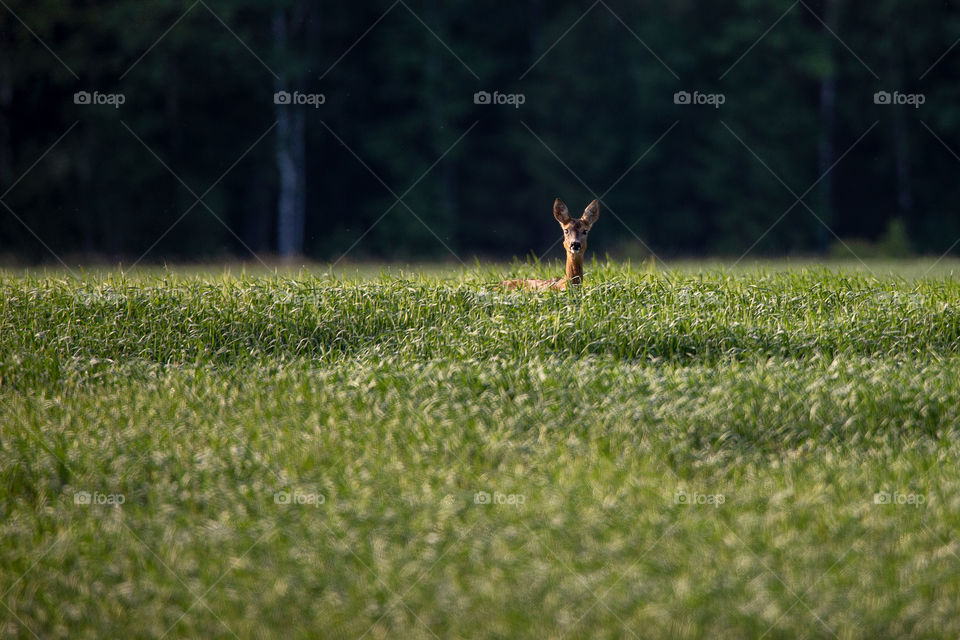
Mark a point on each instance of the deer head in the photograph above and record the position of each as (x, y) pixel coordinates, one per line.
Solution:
(574, 244)
(575, 235)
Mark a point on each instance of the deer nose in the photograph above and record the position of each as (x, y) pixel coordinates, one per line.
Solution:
(575, 246)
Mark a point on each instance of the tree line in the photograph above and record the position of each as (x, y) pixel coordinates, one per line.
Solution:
(419, 129)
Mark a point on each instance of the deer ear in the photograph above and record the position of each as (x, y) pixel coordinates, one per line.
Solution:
(591, 213)
(560, 212)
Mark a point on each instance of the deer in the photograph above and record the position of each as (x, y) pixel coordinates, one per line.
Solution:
(574, 244)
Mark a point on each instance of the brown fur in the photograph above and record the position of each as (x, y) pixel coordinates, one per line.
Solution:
(574, 245)
(559, 284)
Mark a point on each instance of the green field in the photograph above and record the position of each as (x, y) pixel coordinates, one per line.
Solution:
(767, 451)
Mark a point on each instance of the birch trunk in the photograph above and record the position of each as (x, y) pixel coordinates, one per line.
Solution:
(291, 159)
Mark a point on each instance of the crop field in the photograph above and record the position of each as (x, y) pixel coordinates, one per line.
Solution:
(769, 451)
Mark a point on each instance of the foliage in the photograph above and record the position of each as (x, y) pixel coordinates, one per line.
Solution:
(401, 95)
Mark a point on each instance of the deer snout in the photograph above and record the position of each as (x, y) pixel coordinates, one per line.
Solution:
(575, 247)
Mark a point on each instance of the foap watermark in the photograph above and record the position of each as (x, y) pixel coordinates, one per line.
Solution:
(511, 499)
(512, 99)
(490, 299)
(910, 99)
(299, 498)
(697, 498)
(86, 498)
(885, 497)
(710, 99)
(96, 98)
(297, 98)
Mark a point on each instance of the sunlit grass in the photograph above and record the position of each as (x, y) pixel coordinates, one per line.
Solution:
(680, 452)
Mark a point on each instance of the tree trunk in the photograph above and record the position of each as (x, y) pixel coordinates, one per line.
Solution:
(291, 159)
(900, 141)
(534, 39)
(6, 142)
(444, 221)
(900, 149)
(828, 116)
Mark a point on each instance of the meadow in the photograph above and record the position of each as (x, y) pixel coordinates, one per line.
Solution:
(767, 451)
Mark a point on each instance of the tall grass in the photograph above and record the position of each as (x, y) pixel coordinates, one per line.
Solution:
(638, 316)
(666, 453)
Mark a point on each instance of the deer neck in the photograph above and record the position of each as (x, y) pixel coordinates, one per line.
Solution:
(574, 268)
